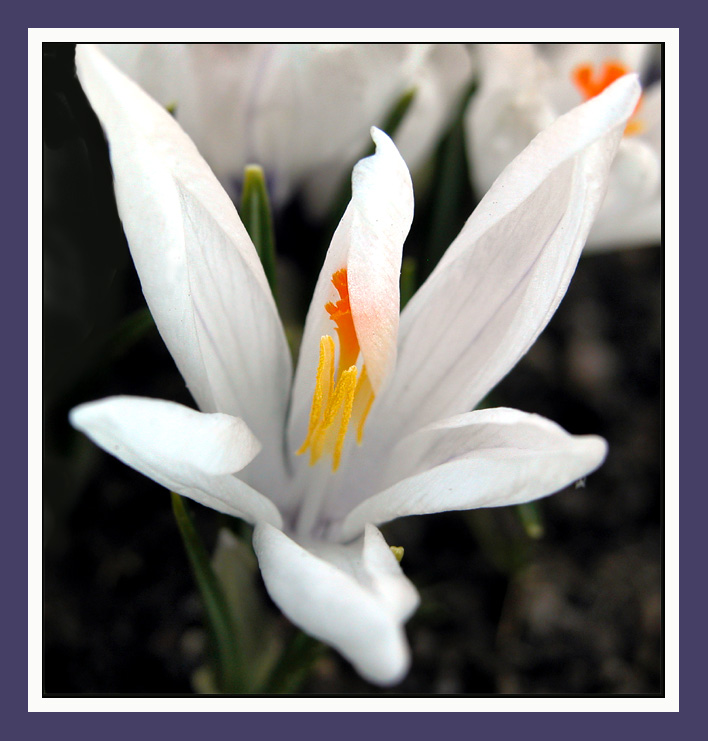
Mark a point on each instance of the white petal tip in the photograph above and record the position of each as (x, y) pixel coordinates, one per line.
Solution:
(215, 444)
(390, 677)
(626, 91)
(596, 449)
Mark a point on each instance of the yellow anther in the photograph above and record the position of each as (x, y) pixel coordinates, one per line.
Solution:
(634, 127)
(336, 416)
(323, 388)
(397, 551)
(336, 405)
(348, 381)
(364, 400)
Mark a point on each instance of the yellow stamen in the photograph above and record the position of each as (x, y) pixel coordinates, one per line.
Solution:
(634, 127)
(337, 405)
(323, 388)
(339, 410)
(364, 399)
(348, 379)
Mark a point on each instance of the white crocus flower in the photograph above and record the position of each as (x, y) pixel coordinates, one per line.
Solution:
(524, 88)
(301, 111)
(379, 411)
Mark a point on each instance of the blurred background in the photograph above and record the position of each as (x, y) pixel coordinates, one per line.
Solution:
(570, 602)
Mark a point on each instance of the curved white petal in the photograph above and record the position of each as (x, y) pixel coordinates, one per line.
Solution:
(188, 452)
(354, 597)
(382, 206)
(487, 458)
(199, 271)
(368, 242)
(502, 278)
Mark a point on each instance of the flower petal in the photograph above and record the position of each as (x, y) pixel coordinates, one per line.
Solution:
(369, 243)
(352, 597)
(199, 271)
(190, 453)
(382, 213)
(487, 458)
(502, 278)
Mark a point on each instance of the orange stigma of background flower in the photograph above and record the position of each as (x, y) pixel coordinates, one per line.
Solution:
(591, 83)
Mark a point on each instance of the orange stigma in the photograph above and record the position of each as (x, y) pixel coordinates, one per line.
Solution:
(341, 314)
(343, 397)
(590, 84)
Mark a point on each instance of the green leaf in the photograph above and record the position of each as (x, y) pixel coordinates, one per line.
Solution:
(231, 667)
(295, 663)
(532, 519)
(500, 537)
(236, 568)
(256, 216)
(409, 267)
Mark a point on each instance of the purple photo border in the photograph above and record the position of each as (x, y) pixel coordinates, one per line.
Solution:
(447, 14)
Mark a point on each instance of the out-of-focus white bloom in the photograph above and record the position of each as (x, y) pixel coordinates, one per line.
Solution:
(376, 423)
(524, 87)
(301, 111)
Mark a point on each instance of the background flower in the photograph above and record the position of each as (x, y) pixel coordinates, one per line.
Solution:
(524, 87)
(301, 111)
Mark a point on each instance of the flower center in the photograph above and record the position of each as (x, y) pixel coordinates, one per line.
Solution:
(590, 84)
(341, 397)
